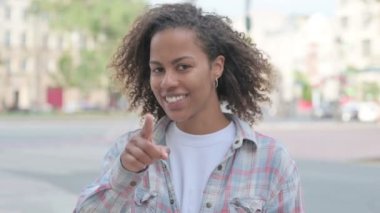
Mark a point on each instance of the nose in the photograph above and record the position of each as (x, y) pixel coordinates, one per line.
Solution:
(170, 79)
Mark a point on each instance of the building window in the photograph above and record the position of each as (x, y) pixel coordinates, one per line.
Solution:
(23, 40)
(51, 67)
(7, 38)
(344, 22)
(8, 67)
(338, 40)
(7, 13)
(60, 43)
(366, 47)
(45, 41)
(25, 14)
(24, 65)
(366, 19)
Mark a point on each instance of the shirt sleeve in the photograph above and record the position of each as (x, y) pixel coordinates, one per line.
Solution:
(286, 194)
(114, 189)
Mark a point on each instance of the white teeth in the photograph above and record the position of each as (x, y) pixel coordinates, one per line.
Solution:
(172, 99)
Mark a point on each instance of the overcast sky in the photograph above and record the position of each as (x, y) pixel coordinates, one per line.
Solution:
(235, 8)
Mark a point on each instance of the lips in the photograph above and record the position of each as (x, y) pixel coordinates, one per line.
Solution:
(174, 102)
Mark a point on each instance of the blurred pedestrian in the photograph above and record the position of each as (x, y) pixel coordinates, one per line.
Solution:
(178, 65)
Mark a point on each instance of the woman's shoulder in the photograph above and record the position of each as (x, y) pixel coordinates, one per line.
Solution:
(273, 152)
(266, 141)
(246, 131)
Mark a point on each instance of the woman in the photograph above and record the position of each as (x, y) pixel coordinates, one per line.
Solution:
(180, 64)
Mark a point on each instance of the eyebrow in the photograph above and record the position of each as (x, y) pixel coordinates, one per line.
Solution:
(173, 62)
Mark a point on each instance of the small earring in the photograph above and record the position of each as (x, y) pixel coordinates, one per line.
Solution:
(216, 83)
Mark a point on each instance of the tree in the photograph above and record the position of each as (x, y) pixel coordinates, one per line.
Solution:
(370, 91)
(301, 79)
(104, 22)
(66, 68)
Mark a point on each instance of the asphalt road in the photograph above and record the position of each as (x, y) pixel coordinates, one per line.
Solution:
(44, 163)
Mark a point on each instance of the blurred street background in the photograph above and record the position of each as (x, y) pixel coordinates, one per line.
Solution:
(60, 112)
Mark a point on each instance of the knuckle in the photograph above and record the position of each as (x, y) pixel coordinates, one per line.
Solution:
(132, 141)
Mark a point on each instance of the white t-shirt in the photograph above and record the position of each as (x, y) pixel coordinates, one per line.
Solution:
(192, 160)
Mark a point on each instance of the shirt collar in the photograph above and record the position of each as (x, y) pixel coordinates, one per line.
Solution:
(244, 132)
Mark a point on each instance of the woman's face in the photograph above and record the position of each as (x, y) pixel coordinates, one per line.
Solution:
(182, 78)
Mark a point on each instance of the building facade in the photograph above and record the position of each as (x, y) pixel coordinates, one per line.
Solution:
(358, 46)
(358, 33)
(26, 57)
(29, 55)
(298, 45)
(324, 49)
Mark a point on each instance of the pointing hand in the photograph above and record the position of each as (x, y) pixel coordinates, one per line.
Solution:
(140, 150)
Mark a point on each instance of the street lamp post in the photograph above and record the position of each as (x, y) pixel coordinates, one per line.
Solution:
(248, 22)
(192, 1)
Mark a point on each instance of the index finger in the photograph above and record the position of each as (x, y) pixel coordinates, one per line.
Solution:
(147, 129)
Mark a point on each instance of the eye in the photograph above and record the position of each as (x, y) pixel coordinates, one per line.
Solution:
(157, 70)
(183, 67)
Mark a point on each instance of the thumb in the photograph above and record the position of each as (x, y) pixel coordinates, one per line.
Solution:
(165, 151)
(147, 129)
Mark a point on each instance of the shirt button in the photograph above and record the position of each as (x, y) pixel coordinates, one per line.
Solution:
(220, 167)
(171, 201)
(133, 183)
(208, 205)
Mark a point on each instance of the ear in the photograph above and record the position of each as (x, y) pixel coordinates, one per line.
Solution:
(217, 67)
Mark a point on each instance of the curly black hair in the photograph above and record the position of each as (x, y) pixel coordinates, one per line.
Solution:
(248, 77)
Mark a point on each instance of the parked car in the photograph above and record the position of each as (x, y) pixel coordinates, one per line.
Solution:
(361, 111)
(349, 111)
(369, 112)
(326, 110)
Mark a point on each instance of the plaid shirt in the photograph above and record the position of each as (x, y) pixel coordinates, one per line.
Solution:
(256, 175)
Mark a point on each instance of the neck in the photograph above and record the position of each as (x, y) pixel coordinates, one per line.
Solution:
(204, 125)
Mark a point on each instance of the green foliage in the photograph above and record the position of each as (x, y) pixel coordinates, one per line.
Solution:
(307, 92)
(89, 70)
(85, 76)
(66, 68)
(104, 22)
(351, 70)
(111, 17)
(371, 91)
(302, 80)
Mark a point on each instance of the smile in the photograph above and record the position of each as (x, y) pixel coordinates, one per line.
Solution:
(172, 99)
